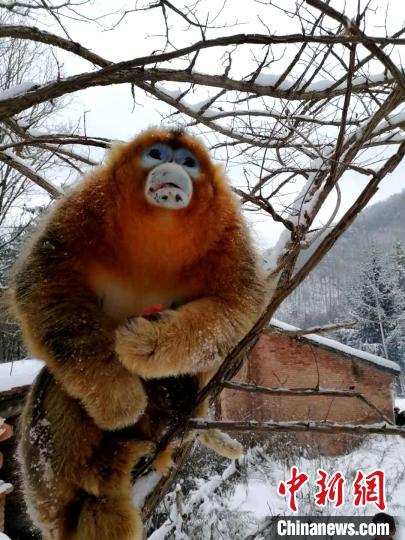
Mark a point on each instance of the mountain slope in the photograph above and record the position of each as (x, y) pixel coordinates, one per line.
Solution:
(321, 297)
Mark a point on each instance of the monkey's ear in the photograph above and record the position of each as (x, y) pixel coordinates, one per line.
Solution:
(220, 169)
(115, 150)
(220, 174)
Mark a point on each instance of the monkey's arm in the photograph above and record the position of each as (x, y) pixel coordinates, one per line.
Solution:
(197, 336)
(64, 325)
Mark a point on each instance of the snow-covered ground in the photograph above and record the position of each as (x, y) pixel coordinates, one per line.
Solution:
(400, 402)
(236, 503)
(14, 374)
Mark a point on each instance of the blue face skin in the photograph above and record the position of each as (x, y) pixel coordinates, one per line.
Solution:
(162, 153)
(169, 183)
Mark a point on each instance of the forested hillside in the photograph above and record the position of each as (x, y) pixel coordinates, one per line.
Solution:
(362, 279)
(322, 297)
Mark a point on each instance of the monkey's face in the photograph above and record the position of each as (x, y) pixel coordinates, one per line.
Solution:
(168, 175)
(171, 173)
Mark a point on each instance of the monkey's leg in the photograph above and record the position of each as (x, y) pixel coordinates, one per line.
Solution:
(99, 506)
(73, 471)
(102, 509)
(108, 473)
(215, 439)
(163, 461)
(105, 518)
(221, 443)
(86, 517)
(106, 510)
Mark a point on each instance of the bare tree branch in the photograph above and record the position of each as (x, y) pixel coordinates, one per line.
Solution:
(288, 427)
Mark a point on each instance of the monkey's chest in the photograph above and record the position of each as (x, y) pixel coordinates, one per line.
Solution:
(120, 302)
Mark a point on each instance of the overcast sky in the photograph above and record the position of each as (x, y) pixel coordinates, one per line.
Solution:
(111, 112)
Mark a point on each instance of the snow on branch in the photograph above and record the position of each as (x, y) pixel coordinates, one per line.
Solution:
(287, 427)
(327, 328)
(308, 392)
(369, 43)
(22, 166)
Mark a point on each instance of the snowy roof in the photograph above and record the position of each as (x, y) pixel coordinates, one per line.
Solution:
(340, 348)
(21, 373)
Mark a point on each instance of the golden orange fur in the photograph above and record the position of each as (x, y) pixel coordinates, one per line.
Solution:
(102, 256)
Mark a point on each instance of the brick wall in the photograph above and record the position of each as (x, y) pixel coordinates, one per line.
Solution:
(282, 361)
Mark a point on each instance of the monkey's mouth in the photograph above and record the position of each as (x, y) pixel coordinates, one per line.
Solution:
(168, 186)
(164, 185)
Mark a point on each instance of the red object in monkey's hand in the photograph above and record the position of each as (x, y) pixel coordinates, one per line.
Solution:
(151, 310)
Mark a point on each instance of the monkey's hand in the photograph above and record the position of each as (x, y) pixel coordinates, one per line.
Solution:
(118, 405)
(192, 339)
(136, 343)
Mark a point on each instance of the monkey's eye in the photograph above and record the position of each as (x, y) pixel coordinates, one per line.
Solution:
(158, 153)
(187, 159)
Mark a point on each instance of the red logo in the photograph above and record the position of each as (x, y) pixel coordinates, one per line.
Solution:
(295, 483)
(330, 490)
(369, 489)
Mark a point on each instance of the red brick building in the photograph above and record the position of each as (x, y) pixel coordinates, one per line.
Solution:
(311, 361)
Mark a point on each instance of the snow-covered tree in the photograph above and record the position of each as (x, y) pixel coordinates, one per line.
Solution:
(398, 260)
(376, 302)
(372, 303)
(398, 336)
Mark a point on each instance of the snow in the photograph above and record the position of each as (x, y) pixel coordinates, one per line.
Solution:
(266, 79)
(193, 107)
(206, 488)
(144, 486)
(389, 137)
(18, 159)
(270, 79)
(200, 497)
(40, 438)
(26, 164)
(5, 488)
(209, 113)
(340, 347)
(34, 132)
(372, 78)
(244, 502)
(2, 426)
(319, 86)
(20, 373)
(392, 120)
(175, 94)
(400, 402)
(254, 497)
(161, 533)
(273, 255)
(18, 89)
(196, 107)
